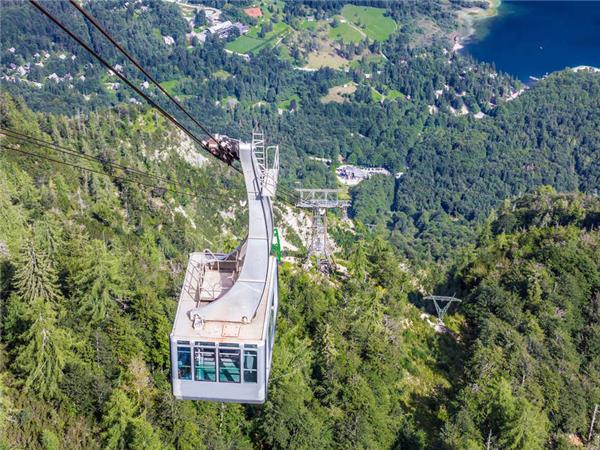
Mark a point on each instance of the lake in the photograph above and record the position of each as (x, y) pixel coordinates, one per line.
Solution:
(531, 38)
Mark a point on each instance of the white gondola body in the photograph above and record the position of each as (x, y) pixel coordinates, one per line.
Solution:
(222, 338)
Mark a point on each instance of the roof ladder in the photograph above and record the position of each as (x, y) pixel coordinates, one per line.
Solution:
(258, 146)
(268, 163)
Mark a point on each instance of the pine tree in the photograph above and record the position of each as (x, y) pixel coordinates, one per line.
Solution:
(527, 428)
(50, 440)
(359, 263)
(35, 278)
(42, 359)
(119, 412)
(189, 436)
(200, 18)
(6, 408)
(518, 424)
(99, 283)
(123, 429)
(48, 235)
(142, 436)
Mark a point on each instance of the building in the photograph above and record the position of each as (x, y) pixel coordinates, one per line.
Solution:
(243, 28)
(223, 29)
(352, 175)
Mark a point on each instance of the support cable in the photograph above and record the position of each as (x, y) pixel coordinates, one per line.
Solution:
(134, 61)
(128, 170)
(76, 166)
(37, 5)
(115, 177)
(51, 145)
(28, 139)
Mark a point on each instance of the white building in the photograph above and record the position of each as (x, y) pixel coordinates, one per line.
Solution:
(352, 175)
(220, 28)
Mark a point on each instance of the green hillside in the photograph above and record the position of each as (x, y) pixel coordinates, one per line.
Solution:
(90, 270)
(532, 302)
(492, 196)
(88, 292)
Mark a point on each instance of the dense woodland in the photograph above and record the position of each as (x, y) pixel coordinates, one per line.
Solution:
(545, 137)
(502, 210)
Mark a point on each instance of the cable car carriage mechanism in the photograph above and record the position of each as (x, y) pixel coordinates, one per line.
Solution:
(222, 338)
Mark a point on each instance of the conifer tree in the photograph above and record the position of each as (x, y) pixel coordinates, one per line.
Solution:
(358, 261)
(6, 408)
(527, 427)
(48, 235)
(46, 350)
(35, 278)
(124, 429)
(119, 411)
(142, 436)
(100, 283)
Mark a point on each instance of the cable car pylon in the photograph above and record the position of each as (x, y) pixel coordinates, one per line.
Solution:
(442, 304)
(319, 201)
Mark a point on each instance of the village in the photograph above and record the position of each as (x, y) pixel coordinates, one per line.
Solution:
(206, 21)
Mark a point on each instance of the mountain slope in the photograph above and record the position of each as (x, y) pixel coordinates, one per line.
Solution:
(532, 304)
(465, 136)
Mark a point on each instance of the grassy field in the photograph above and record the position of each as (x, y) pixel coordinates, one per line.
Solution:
(325, 58)
(375, 95)
(285, 105)
(251, 43)
(284, 53)
(278, 28)
(337, 94)
(346, 33)
(367, 59)
(244, 44)
(371, 20)
(221, 74)
(393, 94)
(170, 86)
(307, 25)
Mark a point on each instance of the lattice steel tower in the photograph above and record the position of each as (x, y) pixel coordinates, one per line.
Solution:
(319, 201)
(442, 304)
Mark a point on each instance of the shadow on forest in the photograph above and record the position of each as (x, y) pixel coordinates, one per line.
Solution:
(450, 351)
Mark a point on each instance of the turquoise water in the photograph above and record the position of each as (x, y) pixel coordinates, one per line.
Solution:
(531, 38)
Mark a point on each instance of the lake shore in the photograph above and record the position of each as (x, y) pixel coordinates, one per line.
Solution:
(467, 18)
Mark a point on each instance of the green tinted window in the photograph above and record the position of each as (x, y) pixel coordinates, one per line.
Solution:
(229, 365)
(205, 364)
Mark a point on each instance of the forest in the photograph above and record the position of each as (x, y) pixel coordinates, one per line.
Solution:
(440, 195)
(499, 209)
(89, 282)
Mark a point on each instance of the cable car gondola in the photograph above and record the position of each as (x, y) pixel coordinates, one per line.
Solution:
(222, 338)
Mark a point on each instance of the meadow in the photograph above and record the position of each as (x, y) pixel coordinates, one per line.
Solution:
(252, 43)
(346, 33)
(371, 20)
